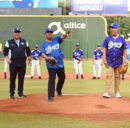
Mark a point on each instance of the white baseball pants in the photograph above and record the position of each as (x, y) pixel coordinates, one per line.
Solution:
(35, 63)
(78, 67)
(97, 66)
(5, 65)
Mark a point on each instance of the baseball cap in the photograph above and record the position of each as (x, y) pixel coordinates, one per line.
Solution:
(77, 44)
(36, 46)
(114, 25)
(48, 30)
(99, 45)
(16, 29)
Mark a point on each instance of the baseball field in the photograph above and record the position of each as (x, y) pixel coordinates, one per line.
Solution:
(81, 106)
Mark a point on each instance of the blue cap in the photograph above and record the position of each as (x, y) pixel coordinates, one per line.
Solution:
(114, 25)
(16, 29)
(77, 44)
(48, 30)
(36, 46)
(99, 45)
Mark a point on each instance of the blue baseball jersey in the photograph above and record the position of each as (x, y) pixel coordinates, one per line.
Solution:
(35, 54)
(77, 53)
(98, 54)
(115, 49)
(53, 49)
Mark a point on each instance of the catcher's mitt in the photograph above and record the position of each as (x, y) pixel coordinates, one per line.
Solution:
(123, 68)
(53, 62)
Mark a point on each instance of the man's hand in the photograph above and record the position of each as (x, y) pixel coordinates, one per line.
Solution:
(29, 60)
(105, 63)
(66, 34)
(8, 60)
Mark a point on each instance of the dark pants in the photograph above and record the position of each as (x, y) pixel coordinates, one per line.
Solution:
(14, 71)
(51, 83)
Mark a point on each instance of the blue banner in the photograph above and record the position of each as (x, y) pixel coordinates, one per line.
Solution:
(99, 7)
(28, 3)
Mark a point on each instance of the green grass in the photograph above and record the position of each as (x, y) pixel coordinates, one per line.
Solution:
(17, 120)
(14, 120)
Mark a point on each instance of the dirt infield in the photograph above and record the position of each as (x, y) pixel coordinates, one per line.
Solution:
(86, 106)
(68, 76)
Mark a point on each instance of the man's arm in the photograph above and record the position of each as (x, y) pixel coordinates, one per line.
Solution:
(6, 53)
(104, 56)
(125, 55)
(46, 57)
(65, 35)
(28, 51)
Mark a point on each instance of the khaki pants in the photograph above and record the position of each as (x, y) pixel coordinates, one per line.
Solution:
(109, 75)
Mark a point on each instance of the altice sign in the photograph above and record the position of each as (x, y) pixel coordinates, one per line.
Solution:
(69, 25)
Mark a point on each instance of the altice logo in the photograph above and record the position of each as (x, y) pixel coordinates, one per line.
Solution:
(70, 25)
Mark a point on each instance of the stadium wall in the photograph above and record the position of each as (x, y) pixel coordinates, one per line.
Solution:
(86, 30)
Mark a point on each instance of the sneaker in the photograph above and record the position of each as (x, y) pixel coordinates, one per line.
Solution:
(77, 77)
(117, 95)
(99, 78)
(94, 78)
(59, 94)
(50, 98)
(5, 77)
(31, 77)
(12, 97)
(22, 96)
(123, 78)
(40, 77)
(82, 77)
(106, 95)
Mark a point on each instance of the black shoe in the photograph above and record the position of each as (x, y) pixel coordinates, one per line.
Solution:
(98, 77)
(82, 77)
(77, 77)
(59, 94)
(123, 78)
(40, 77)
(94, 77)
(50, 99)
(31, 77)
(5, 77)
(22, 96)
(12, 97)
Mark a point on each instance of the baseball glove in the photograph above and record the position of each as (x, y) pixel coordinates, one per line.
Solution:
(123, 68)
(53, 62)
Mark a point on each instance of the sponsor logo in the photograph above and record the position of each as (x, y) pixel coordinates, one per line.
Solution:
(70, 25)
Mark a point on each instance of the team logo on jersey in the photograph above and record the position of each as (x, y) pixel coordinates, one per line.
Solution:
(50, 48)
(116, 45)
(77, 54)
(98, 54)
(22, 43)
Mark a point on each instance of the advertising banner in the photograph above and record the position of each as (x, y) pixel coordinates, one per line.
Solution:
(28, 3)
(106, 7)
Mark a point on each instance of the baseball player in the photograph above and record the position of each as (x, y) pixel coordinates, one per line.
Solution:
(113, 52)
(50, 49)
(78, 55)
(97, 61)
(36, 61)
